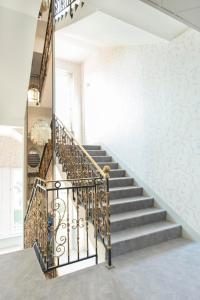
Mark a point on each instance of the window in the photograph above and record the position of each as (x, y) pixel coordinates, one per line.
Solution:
(11, 176)
(11, 203)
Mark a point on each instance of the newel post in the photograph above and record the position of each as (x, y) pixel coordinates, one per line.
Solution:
(106, 171)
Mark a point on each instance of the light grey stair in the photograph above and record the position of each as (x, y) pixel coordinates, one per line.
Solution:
(143, 236)
(117, 173)
(120, 182)
(112, 165)
(97, 152)
(136, 218)
(103, 159)
(123, 192)
(135, 221)
(92, 147)
(130, 204)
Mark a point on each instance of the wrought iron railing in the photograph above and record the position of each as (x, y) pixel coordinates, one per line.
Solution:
(57, 222)
(35, 223)
(65, 7)
(46, 160)
(61, 212)
(77, 163)
(46, 49)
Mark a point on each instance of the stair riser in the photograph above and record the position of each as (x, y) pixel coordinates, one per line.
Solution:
(120, 182)
(125, 193)
(130, 206)
(90, 147)
(102, 158)
(117, 173)
(97, 152)
(145, 241)
(111, 165)
(137, 221)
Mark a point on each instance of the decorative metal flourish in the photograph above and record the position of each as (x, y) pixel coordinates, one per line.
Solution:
(58, 239)
(77, 223)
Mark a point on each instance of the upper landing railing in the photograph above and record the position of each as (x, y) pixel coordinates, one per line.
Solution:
(66, 7)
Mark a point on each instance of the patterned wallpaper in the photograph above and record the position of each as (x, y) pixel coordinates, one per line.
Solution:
(143, 103)
(11, 151)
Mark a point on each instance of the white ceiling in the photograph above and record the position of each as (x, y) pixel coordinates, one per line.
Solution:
(76, 41)
(186, 10)
(27, 7)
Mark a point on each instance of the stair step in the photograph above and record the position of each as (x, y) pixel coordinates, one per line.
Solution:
(123, 192)
(92, 147)
(117, 173)
(136, 218)
(112, 165)
(96, 152)
(143, 236)
(120, 182)
(102, 159)
(130, 204)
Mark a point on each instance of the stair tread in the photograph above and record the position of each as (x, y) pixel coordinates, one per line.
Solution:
(120, 178)
(117, 170)
(107, 162)
(129, 199)
(135, 213)
(125, 188)
(142, 230)
(94, 156)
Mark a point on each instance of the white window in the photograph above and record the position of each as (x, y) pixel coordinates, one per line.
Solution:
(11, 202)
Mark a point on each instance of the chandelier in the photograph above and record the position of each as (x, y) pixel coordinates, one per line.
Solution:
(40, 133)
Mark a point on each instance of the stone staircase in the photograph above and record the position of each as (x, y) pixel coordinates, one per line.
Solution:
(135, 220)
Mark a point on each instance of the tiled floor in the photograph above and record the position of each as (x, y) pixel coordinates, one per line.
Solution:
(169, 271)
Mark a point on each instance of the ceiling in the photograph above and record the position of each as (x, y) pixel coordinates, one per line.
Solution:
(27, 7)
(187, 11)
(98, 30)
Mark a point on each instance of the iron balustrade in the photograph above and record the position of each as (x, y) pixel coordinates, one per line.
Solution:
(77, 163)
(62, 214)
(46, 49)
(63, 7)
(46, 159)
(58, 219)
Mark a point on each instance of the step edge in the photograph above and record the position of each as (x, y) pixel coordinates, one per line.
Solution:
(154, 212)
(128, 200)
(145, 234)
(129, 187)
(120, 178)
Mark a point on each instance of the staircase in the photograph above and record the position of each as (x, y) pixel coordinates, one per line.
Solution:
(135, 220)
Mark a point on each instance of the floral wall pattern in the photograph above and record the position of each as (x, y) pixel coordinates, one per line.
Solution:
(143, 103)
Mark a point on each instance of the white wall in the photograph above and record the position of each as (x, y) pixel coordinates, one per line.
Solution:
(143, 104)
(75, 70)
(18, 21)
